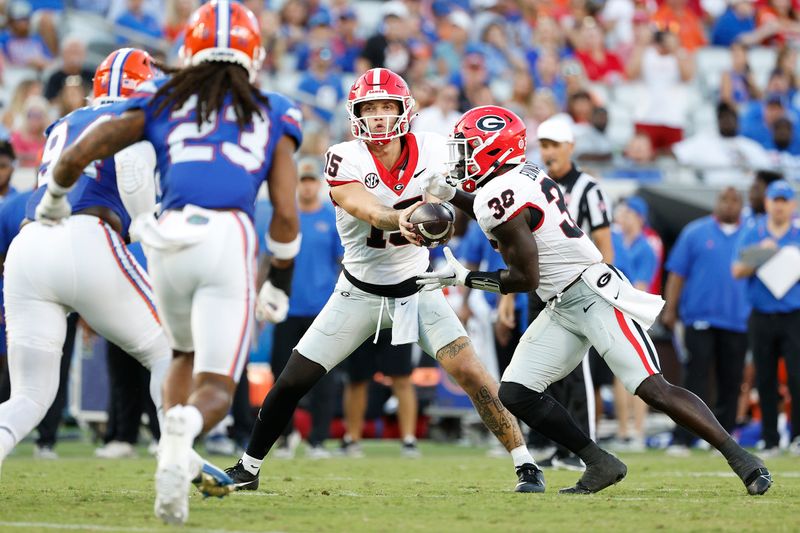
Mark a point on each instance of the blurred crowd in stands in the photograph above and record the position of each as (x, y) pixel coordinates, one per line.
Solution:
(680, 91)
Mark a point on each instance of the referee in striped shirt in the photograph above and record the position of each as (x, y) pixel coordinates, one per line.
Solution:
(590, 208)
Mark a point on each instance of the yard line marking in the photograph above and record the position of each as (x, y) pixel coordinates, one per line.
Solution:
(95, 527)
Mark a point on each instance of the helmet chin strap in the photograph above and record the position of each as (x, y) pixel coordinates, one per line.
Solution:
(497, 164)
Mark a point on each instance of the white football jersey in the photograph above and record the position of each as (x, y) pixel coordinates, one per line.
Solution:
(372, 255)
(564, 250)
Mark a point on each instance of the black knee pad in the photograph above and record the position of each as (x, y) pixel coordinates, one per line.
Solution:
(525, 403)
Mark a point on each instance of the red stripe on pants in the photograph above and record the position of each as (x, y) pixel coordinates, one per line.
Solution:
(629, 335)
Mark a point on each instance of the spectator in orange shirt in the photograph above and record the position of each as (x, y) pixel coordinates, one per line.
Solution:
(675, 16)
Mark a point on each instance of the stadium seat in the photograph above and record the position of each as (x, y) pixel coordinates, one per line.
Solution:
(762, 61)
(711, 63)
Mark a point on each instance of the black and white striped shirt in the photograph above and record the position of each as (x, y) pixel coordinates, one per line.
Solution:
(587, 204)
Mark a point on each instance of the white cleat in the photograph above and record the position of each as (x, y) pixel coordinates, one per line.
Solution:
(173, 475)
(172, 494)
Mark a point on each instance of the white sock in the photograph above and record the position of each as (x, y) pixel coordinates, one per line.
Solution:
(194, 420)
(6, 442)
(520, 455)
(251, 464)
(409, 439)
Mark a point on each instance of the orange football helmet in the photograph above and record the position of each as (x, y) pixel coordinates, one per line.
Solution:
(119, 74)
(223, 30)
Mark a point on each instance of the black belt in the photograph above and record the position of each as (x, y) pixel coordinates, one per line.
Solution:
(398, 290)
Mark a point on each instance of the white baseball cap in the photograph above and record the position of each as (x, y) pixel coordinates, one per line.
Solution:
(556, 129)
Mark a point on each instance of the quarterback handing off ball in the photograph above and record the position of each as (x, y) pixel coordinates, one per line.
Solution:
(433, 223)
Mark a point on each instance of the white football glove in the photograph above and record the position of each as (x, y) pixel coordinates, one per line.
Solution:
(437, 185)
(272, 304)
(52, 209)
(453, 273)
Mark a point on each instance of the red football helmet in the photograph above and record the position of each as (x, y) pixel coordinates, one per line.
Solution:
(484, 139)
(119, 74)
(380, 84)
(222, 30)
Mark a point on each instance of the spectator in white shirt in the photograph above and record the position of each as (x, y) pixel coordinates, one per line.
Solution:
(725, 157)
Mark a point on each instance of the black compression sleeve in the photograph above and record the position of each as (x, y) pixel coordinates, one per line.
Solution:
(485, 281)
(281, 278)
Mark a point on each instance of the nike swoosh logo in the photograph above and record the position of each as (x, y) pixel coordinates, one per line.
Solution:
(420, 172)
(588, 306)
(617, 296)
(403, 303)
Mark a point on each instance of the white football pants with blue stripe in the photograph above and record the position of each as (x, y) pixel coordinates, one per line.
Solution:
(79, 265)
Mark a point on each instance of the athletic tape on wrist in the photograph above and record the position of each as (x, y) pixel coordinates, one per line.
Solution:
(284, 250)
(56, 189)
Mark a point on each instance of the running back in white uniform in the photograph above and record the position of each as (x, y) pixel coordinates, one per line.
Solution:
(372, 255)
(577, 316)
(564, 250)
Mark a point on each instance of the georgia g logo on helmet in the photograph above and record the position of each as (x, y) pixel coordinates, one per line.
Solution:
(490, 123)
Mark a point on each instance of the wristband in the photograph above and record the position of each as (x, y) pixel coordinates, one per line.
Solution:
(485, 281)
(284, 250)
(281, 278)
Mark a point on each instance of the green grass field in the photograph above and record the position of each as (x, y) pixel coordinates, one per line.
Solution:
(449, 489)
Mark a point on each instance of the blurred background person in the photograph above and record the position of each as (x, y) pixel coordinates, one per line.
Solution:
(713, 308)
(775, 322)
(72, 62)
(634, 256)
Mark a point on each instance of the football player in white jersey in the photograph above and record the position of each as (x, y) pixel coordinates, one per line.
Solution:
(589, 303)
(372, 179)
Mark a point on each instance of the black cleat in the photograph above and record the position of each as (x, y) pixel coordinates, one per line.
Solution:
(242, 479)
(598, 476)
(758, 482)
(531, 478)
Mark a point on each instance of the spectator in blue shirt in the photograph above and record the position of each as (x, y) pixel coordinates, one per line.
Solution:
(632, 254)
(316, 269)
(20, 46)
(774, 322)
(739, 18)
(320, 89)
(347, 45)
(757, 194)
(135, 18)
(713, 308)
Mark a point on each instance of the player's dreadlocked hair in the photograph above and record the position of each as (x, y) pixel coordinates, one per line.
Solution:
(211, 82)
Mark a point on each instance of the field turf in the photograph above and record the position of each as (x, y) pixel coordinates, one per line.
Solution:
(449, 489)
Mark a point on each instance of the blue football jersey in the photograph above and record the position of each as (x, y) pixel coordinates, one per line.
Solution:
(97, 186)
(218, 165)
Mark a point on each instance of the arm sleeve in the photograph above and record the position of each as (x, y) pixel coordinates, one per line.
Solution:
(599, 209)
(135, 166)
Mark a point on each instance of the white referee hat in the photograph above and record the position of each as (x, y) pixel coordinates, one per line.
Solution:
(556, 129)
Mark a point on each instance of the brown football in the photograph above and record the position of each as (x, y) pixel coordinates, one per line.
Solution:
(433, 223)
